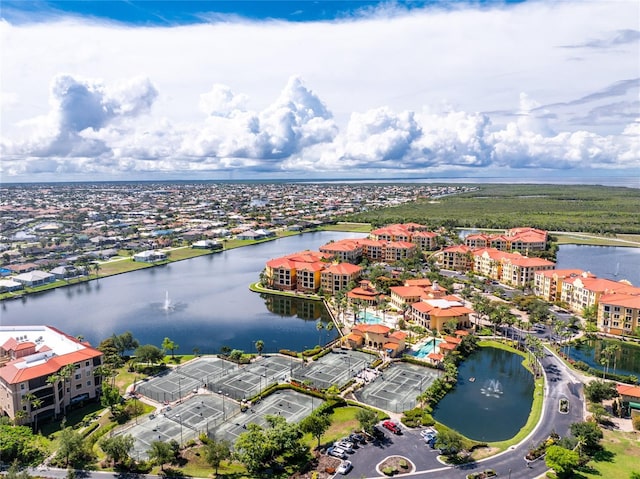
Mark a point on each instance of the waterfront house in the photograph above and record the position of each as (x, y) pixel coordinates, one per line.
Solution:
(34, 278)
(150, 256)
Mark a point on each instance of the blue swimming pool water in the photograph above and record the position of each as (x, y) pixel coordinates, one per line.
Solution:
(426, 348)
(369, 318)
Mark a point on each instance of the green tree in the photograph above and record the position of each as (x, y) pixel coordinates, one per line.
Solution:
(110, 396)
(217, 451)
(169, 345)
(14, 472)
(18, 443)
(591, 433)
(562, 461)
(125, 342)
(149, 353)
(161, 453)
(450, 442)
(259, 346)
(316, 424)
(597, 391)
(33, 403)
(367, 419)
(72, 449)
(117, 448)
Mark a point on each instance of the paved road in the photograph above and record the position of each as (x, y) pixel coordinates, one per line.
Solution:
(561, 383)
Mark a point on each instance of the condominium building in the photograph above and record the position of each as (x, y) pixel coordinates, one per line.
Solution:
(583, 292)
(548, 283)
(338, 277)
(434, 313)
(43, 371)
(619, 313)
(457, 257)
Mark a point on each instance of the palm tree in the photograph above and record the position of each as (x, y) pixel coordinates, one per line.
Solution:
(96, 268)
(259, 346)
(33, 403)
(319, 327)
(614, 348)
(19, 417)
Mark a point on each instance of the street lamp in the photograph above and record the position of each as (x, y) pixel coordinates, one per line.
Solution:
(180, 419)
(224, 412)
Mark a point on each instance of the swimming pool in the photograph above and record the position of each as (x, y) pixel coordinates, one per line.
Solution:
(369, 318)
(426, 349)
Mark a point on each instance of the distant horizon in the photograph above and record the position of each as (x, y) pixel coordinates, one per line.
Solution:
(612, 181)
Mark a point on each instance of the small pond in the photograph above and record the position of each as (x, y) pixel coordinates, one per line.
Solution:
(492, 385)
(625, 360)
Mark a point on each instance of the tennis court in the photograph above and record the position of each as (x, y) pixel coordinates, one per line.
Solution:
(396, 389)
(291, 405)
(168, 387)
(337, 367)
(249, 380)
(219, 376)
(200, 414)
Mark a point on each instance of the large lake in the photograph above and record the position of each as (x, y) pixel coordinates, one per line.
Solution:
(610, 262)
(211, 303)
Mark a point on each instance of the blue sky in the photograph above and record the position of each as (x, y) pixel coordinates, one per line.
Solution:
(318, 89)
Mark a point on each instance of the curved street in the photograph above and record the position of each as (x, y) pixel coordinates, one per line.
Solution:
(560, 383)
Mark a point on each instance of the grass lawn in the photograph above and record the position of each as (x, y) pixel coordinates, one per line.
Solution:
(621, 456)
(349, 227)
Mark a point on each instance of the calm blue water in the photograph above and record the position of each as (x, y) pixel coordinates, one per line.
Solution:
(610, 262)
(502, 389)
(627, 359)
(212, 304)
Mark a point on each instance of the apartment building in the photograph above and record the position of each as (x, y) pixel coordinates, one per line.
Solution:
(282, 273)
(519, 270)
(434, 313)
(349, 251)
(619, 313)
(548, 283)
(399, 250)
(425, 240)
(43, 371)
(457, 258)
(337, 277)
(515, 239)
(583, 292)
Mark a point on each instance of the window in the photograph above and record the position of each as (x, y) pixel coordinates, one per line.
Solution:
(89, 383)
(86, 364)
(22, 387)
(78, 376)
(78, 386)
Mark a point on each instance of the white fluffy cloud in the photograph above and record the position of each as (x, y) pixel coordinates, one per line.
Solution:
(527, 86)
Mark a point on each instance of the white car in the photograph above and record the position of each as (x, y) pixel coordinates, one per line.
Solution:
(428, 432)
(346, 445)
(337, 452)
(344, 468)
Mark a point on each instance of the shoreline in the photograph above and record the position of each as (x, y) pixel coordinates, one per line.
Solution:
(588, 240)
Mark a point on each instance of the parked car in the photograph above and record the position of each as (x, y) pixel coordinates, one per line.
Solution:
(344, 468)
(392, 426)
(346, 445)
(337, 452)
(357, 438)
(428, 434)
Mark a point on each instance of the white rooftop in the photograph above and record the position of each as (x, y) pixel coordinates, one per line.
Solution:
(57, 342)
(442, 303)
